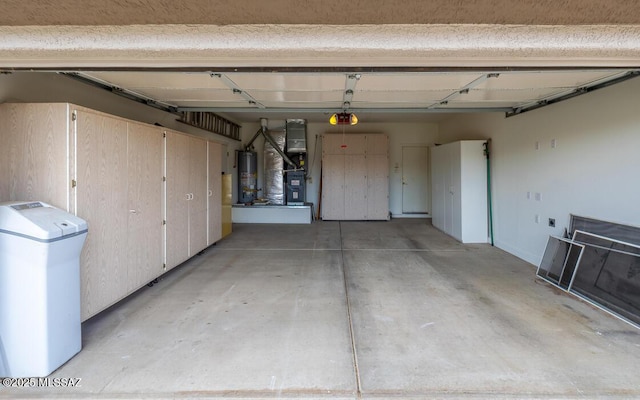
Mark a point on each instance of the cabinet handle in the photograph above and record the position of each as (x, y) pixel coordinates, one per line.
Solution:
(188, 196)
(210, 193)
(133, 211)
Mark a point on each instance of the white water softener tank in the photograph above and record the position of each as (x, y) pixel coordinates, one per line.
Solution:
(39, 288)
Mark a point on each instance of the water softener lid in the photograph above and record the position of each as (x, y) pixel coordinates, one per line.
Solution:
(38, 220)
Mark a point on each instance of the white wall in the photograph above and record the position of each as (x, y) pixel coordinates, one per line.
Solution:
(400, 134)
(592, 171)
(25, 87)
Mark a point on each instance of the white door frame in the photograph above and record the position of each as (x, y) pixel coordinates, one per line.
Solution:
(426, 180)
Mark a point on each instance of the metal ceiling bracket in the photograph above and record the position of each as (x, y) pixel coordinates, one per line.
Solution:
(349, 89)
(465, 89)
(237, 90)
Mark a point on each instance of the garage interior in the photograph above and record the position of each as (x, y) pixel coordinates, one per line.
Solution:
(352, 308)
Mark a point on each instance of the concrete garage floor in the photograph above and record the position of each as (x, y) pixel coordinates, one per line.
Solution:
(351, 310)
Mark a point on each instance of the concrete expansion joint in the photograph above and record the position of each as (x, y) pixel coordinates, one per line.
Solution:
(354, 352)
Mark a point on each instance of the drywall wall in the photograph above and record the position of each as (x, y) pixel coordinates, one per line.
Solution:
(26, 87)
(579, 156)
(400, 134)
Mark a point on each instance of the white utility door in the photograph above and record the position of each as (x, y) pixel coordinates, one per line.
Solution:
(415, 180)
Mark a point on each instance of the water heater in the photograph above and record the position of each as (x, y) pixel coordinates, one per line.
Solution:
(247, 176)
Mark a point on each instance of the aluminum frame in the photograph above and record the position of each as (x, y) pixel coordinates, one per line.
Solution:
(589, 297)
(570, 289)
(558, 284)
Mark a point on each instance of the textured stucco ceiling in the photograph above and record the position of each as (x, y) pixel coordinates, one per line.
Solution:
(334, 12)
(207, 46)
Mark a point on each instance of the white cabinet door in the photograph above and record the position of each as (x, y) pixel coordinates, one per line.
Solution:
(333, 172)
(437, 187)
(377, 144)
(177, 198)
(187, 197)
(355, 187)
(455, 185)
(377, 186)
(197, 178)
(474, 210)
(102, 200)
(144, 234)
(33, 153)
(459, 190)
(214, 192)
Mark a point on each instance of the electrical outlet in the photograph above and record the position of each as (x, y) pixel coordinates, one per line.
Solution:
(537, 145)
(553, 143)
(538, 197)
(528, 195)
(310, 179)
(552, 222)
(537, 219)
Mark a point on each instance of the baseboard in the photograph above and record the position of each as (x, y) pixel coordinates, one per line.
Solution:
(411, 216)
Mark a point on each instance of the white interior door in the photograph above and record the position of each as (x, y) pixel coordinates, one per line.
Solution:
(415, 180)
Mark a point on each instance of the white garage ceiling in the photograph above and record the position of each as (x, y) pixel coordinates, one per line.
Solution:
(390, 96)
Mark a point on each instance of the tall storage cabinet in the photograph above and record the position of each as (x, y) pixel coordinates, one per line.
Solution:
(459, 190)
(111, 171)
(355, 177)
(105, 169)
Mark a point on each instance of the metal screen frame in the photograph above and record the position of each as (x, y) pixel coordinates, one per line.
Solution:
(612, 303)
(546, 276)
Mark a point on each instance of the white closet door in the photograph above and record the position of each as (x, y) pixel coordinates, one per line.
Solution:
(415, 172)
